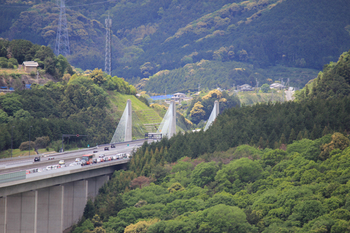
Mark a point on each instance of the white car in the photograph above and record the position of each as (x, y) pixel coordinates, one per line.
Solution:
(77, 160)
(61, 162)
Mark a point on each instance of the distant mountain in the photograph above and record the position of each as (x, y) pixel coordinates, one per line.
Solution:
(151, 36)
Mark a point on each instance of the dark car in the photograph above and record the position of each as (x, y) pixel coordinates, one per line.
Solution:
(106, 148)
(112, 146)
(95, 151)
(36, 159)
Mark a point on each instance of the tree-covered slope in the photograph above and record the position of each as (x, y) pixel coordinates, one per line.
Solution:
(89, 105)
(151, 36)
(213, 74)
(333, 82)
(304, 188)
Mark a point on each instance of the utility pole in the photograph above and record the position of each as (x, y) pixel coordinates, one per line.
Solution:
(108, 64)
(62, 39)
(283, 92)
(30, 145)
(12, 139)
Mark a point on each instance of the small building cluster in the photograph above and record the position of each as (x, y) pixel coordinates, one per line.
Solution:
(245, 87)
(277, 86)
(179, 97)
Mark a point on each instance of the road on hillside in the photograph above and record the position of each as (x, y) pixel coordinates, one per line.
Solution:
(289, 95)
(26, 163)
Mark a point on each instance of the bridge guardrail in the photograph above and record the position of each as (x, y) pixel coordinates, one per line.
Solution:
(13, 176)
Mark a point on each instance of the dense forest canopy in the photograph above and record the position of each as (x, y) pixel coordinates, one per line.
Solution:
(153, 36)
(303, 188)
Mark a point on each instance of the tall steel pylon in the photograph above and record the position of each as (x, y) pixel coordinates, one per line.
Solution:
(62, 39)
(108, 23)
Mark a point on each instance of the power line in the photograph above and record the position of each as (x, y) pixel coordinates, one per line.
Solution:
(62, 39)
(108, 23)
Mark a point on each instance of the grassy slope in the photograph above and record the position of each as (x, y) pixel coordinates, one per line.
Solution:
(144, 118)
(250, 97)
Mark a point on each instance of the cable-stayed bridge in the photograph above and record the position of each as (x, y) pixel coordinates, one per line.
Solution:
(167, 128)
(54, 200)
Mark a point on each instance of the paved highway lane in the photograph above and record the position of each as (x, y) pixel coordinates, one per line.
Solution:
(289, 95)
(42, 171)
(26, 163)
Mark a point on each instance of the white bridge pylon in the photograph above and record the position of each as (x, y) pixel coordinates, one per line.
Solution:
(168, 125)
(213, 115)
(123, 133)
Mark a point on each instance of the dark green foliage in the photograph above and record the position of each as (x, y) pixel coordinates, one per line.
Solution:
(89, 210)
(333, 82)
(24, 50)
(203, 174)
(296, 194)
(238, 126)
(77, 107)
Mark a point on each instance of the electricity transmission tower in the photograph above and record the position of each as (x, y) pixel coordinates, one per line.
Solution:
(108, 23)
(62, 40)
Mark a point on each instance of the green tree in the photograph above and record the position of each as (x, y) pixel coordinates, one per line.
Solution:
(3, 116)
(89, 210)
(339, 141)
(97, 76)
(223, 218)
(197, 112)
(292, 136)
(232, 176)
(175, 187)
(204, 173)
(10, 103)
(265, 88)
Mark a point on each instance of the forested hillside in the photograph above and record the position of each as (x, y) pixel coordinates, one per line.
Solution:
(153, 36)
(79, 106)
(279, 167)
(333, 82)
(13, 53)
(304, 188)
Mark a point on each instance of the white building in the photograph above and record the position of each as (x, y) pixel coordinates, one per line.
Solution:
(277, 86)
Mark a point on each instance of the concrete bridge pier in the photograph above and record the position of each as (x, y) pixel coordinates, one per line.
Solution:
(52, 209)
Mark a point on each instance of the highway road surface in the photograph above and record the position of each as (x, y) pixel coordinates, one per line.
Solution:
(27, 163)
